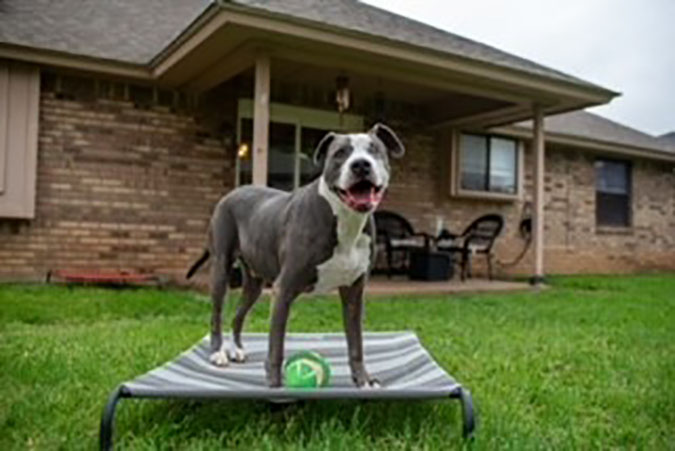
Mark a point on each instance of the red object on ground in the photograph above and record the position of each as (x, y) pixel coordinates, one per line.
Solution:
(102, 277)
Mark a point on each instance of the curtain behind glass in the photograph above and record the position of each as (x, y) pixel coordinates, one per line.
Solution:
(474, 162)
(502, 165)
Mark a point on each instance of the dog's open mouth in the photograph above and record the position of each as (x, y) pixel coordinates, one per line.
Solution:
(362, 196)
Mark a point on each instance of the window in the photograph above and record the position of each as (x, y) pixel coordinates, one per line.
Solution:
(612, 197)
(488, 164)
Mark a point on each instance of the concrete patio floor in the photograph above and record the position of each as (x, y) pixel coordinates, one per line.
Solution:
(381, 285)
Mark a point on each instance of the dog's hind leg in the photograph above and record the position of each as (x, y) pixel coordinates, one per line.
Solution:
(251, 290)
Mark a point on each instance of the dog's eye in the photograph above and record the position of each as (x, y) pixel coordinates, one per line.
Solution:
(340, 153)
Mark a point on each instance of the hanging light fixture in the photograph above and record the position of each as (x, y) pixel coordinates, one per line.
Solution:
(342, 94)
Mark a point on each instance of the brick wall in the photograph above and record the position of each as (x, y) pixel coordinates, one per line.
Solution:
(128, 176)
(123, 184)
(573, 243)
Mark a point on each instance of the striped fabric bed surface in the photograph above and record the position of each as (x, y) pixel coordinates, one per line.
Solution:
(397, 359)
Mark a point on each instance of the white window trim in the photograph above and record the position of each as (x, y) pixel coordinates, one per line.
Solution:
(456, 189)
(299, 117)
(19, 116)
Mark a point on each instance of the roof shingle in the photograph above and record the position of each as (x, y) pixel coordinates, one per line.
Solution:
(130, 31)
(668, 140)
(583, 124)
(135, 31)
(363, 18)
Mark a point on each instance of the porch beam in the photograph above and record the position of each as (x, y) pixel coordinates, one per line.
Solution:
(538, 214)
(227, 67)
(484, 118)
(261, 119)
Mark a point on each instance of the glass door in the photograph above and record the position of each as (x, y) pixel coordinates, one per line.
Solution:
(294, 133)
(281, 162)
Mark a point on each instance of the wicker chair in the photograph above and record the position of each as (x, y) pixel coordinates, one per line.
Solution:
(477, 238)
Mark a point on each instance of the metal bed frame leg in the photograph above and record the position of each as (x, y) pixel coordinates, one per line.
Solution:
(108, 418)
(468, 413)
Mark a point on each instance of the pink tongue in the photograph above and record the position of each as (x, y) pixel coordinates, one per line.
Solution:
(365, 200)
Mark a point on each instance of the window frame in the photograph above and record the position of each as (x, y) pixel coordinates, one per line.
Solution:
(600, 226)
(300, 117)
(456, 189)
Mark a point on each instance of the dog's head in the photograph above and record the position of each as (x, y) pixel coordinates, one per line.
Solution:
(356, 166)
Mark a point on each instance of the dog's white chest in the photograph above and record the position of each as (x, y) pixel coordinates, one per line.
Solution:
(346, 265)
(351, 256)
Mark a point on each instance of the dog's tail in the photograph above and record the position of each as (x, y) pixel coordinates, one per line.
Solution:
(195, 266)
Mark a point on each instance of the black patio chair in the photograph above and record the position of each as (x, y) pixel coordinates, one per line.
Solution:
(478, 238)
(397, 238)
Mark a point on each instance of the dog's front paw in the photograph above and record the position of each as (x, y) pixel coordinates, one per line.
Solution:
(371, 383)
(219, 358)
(363, 380)
(238, 355)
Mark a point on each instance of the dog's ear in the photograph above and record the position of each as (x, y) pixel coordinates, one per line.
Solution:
(322, 149)
(389, 139)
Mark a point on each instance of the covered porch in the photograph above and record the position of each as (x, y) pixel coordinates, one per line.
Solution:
(274, 88)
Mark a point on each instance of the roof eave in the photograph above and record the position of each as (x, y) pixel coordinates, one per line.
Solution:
(73, 61)
(602, 95)
(582, 94)
(205, 17)
(571, 140)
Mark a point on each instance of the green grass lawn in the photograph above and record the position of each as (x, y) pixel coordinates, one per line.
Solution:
(589, 363)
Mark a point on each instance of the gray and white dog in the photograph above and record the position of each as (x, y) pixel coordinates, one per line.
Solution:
(318, 238)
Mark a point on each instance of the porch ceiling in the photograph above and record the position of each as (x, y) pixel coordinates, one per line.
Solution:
(229, 43)
(442, 105)
(359, 83)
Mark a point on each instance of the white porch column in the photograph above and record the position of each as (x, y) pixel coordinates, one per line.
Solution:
(538, 214)
(261, 119)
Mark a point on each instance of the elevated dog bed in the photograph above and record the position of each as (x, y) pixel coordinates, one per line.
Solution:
(397, 359)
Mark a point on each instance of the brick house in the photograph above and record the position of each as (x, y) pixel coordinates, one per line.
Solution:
(122, 123)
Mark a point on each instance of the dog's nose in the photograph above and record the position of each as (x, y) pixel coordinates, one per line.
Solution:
(361, 168)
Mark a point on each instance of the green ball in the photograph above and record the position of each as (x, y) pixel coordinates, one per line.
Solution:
(306, 369)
